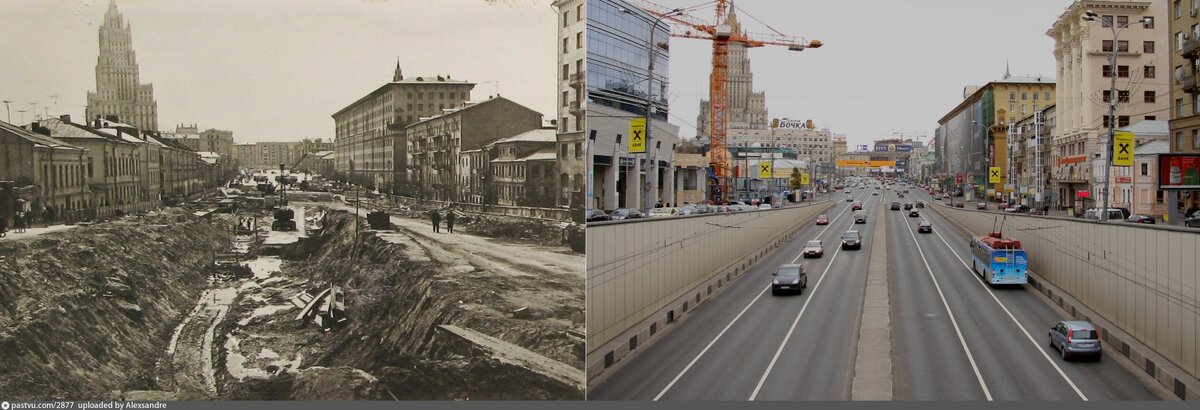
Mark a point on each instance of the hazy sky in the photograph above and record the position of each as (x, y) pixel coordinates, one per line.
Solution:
(886, 66)
(275, 70)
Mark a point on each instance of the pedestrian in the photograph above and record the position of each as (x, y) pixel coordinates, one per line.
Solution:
(437, 220)
(450, 220)
(19, 221)
(3, 227)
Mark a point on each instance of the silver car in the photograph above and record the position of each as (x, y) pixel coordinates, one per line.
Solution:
(1075, 338)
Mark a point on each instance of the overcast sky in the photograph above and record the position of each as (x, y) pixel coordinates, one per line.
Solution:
(275, 70)
(887, 66)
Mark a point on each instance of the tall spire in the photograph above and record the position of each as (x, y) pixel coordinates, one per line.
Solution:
(1007, 73)
(397, 76)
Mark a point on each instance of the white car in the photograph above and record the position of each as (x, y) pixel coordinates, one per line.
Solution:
(761, 207)
(662, 212)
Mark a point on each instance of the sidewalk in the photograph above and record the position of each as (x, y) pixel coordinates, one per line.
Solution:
(32, 232)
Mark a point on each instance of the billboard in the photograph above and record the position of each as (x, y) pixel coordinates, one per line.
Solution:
(793, 124)
(1122, 149)
(1178, 172)
(893, 148)
(863, 148)
(861, 163)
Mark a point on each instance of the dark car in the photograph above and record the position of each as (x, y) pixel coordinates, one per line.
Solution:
(1141, 219)
(851, 240)
(908, 205)
(596, 215)
(958, 204)
(981, 205)
(790, 278)
(920, 204)
(626, 213)
(924, 227)
(1075, 337)
(895, 205)
(1192, 221)
(914, 213)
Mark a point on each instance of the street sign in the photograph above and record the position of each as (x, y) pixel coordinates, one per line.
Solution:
(993, 175)
(764, 170)
(637, 132)
(958, 178)
(1123, 149)
(804, 178)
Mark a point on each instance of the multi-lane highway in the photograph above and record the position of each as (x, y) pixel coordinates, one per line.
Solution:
(952, 336)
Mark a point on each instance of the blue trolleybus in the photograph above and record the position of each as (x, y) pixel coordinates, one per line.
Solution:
(998, 260)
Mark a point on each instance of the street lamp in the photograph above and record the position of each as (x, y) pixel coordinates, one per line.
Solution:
(650, 94)
(1089, 15)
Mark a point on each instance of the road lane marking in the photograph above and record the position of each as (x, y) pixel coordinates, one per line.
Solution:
(792, 329)
(962, 341)
(1036, 345)
(735, 319)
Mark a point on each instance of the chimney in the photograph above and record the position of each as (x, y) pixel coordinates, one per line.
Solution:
(65, 118)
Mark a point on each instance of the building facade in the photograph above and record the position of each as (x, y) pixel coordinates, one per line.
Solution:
(617, 91)
(370, 133)
(1031, 159)
(523, 168)
(571, 164)
(435, 144)
(261, 155)
(747, 108)
(808, 142)
(973, 136)
(44, 173)
(119, 93)
(1184, 29)
(1082, 50)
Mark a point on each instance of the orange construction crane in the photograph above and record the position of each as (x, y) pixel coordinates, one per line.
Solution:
(722, 35)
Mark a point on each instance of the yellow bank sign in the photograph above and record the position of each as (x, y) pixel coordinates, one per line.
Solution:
(1123, 149)
(804, 179)
(764, 170)
(637, 136)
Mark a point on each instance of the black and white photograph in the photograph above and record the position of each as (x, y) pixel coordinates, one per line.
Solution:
(291, 200)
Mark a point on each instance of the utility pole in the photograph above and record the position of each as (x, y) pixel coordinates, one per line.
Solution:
(8, 109)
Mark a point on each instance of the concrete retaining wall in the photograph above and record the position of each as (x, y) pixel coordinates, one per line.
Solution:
(643, 275)
(1138, 283)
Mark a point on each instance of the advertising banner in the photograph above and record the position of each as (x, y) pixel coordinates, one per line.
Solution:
(637, 136)
(1123, 149)
(1178, 172)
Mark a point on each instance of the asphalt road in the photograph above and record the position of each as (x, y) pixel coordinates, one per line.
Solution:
(953, 338)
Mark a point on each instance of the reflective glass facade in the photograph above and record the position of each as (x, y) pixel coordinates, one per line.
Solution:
(617, 57)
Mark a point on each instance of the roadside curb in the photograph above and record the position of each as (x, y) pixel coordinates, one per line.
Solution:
(873, 364)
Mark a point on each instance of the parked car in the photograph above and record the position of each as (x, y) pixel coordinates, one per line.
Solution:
(851, 240)
(662, 212)
(596, 215)
(822, 219)
(687, 209)
(1192, 221)
(704, 209)
(860, 217)
(1113, 214)
(1076, 337)
(1140, 218)
(981, 206)
(626, 213)
(814, 249)
(924, 227)
(791, 278)
(958, 205)
(763, 207)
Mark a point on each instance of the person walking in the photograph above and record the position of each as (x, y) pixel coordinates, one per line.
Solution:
(3, 226)
(19, 221)
(450, 220)
(437, 220)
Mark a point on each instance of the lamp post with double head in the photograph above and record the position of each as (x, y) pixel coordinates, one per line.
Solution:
(650, 97)
(1113, 98)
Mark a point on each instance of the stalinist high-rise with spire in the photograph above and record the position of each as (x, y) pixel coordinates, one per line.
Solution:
(747, 109)
(118, 90)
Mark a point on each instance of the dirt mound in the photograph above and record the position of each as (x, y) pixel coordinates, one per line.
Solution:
(87, 311)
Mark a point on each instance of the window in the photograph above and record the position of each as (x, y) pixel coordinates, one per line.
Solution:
(1046, 95)
(1107, 20)
(1148, 47)
(1148, 71)
(1123, 71)
(1178, 107)
(567, 18)
(1195, 139)
(1178, 140)
(1195, 108)
(1106, 46)
(1178, 8)
(566, 98)
(565, 42)
(579, 40)
(1145, 169)
(1106, 71)
(1012, 107)
(1149, 22)
(579, 12)
(1024, 96)
(1035, 106)
(1151, 118)
(1178, 40)
(1123, 96)
(578, 150)
(1012, 96)
(1122, 121)
(566, 71)
(563, 151)
(1122, 21)
(1123, 46)
(1149, 97)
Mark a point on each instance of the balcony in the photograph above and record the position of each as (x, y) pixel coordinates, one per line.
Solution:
(1188, 83)
(577, 80)
(574, 108)
(1191, 48)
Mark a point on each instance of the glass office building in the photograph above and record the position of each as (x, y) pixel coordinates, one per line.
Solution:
(617, 37)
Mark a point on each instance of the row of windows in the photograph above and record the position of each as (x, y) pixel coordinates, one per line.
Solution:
(1012, 95)
(1123, 46)
(1181, 141)
(1123, 71)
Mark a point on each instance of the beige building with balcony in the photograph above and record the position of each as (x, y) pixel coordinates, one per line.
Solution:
(1184, 29)
(571, 141)
(1082, 49)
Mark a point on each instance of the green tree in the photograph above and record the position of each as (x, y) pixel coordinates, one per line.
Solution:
(795, 181)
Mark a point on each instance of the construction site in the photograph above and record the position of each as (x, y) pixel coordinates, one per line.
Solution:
(300, 297)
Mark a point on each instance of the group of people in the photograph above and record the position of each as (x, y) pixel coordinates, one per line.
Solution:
(436, 217)
(21, 221)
